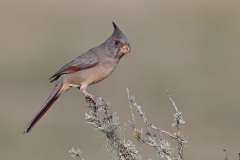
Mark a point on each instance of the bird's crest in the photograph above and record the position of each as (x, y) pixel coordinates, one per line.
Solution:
(114, 26)
(117, 33)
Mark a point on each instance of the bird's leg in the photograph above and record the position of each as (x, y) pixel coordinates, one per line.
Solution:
(88, 95)
(92, 98)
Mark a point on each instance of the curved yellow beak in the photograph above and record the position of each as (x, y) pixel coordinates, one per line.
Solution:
(125, 49)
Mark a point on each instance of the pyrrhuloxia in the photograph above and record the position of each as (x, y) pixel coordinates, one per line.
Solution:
(89, 68)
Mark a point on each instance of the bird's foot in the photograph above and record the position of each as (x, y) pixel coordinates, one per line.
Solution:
(90, 96)
(92, 100)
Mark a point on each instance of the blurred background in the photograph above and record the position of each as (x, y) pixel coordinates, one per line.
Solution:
(189, 47)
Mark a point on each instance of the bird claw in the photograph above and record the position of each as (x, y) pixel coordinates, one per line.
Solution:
(92, 100)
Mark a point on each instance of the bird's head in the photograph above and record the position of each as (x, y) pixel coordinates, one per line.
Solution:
(117, 43)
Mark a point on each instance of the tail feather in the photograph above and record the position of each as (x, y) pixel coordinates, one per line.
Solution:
(49, 102)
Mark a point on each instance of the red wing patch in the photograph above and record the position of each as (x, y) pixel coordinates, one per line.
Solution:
(71, 69)
(74, 69)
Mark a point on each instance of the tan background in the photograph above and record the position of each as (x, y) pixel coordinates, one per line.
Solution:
(190, 47)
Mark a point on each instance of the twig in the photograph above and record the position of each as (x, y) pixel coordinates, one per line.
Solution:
(76, 153)
(108, 124)
(226, 155)
(178, 121)
(162, 147)
(132, 101)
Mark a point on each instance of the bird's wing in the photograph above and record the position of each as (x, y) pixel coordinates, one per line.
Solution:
(84, 61)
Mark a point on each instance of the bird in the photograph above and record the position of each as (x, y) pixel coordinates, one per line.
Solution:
(89, 68)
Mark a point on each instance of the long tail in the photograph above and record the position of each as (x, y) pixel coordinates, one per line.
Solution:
(58, 90)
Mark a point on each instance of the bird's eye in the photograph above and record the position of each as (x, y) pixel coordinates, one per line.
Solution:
(117, 42)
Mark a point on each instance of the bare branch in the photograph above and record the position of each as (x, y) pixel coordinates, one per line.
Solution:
(76, 153)
(178, 121)
(226, 155)
(101, 118)
(108, 123)
(173, 103)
